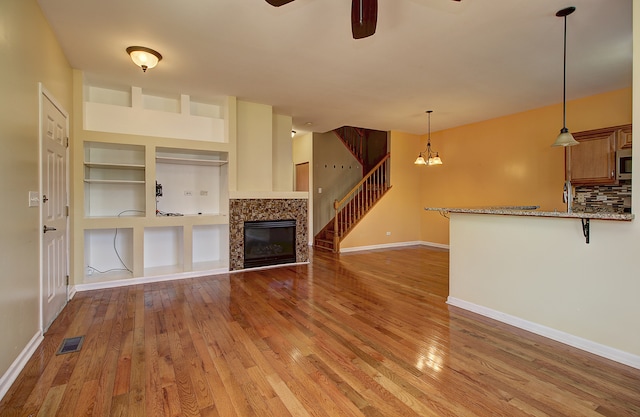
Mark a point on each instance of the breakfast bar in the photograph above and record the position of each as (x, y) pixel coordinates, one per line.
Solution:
(532, 269)
(531, 211)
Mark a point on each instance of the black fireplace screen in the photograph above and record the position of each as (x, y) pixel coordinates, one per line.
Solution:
(269, 242)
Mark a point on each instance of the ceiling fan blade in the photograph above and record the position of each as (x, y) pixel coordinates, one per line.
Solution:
(364, 16)
(278, 3)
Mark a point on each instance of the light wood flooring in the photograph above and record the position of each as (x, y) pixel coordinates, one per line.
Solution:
(360, 334)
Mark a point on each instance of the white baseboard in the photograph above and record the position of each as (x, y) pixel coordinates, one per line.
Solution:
(72, 292)
(167, 277)
(435, 245)
(393, 245)
(145, 280)
(18, 365)
(557, 335)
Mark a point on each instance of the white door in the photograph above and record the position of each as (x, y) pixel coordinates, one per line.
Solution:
(54, 213)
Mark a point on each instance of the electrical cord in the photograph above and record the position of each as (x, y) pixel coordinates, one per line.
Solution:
(115, 248)
(162, 213)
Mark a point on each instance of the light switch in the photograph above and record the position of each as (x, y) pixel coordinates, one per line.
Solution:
(319, 190)
(34, 199)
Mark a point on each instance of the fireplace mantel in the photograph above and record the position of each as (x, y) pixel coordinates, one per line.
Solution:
(289, 195)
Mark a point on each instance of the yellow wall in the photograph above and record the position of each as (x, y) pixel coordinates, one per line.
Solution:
(29, 54)
(503, 161)
(508, 160)
(399, 211)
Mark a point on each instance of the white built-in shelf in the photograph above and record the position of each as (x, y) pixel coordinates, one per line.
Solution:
(113, 166)
(88, 180)
(190, 161)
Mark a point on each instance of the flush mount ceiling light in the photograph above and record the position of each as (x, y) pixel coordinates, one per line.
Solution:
(144, 57)
(431, 160)
(565, 138)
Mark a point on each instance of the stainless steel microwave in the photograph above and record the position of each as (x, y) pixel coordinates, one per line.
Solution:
(623, 164)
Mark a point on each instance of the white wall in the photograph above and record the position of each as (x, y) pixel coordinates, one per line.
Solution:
(29, 54)
(302, 151)
(282, 153)
(254, 147)
(264, 157)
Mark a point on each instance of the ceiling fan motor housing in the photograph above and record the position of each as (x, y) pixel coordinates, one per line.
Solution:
(364, 17)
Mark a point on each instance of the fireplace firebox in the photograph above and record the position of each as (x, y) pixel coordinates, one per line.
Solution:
(269, 242)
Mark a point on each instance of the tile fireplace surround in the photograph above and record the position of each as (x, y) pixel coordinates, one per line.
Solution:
(252, 209)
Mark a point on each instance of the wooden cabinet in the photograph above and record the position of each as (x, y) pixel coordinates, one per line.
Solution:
(625, 138)
(593, 162)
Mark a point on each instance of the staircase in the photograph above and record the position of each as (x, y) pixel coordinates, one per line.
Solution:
(355, 205)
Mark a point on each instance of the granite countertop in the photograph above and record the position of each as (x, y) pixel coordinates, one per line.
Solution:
(532, 211)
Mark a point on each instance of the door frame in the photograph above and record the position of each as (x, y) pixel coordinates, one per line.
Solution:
(42, 91)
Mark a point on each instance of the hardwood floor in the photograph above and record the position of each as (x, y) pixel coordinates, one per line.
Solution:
(361, 334)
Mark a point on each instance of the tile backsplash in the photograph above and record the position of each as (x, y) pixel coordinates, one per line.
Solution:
(603, 198)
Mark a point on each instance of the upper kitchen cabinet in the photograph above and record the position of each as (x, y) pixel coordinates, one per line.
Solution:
(625, 138)
(593, 161)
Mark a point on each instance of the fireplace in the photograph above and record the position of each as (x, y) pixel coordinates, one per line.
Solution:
(247, 210)
(269, 242)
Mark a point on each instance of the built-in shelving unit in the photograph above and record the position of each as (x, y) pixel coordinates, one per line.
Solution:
(125, 143)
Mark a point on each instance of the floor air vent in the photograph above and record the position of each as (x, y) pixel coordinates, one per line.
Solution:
(70, 344)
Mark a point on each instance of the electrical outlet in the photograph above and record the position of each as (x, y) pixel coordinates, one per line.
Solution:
(388, 233)
(188, 193)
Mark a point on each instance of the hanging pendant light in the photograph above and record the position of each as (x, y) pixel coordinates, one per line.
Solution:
(565, 138)
(431, 160)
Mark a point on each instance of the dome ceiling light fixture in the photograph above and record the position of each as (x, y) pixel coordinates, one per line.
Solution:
(144, 57)
(565, 138)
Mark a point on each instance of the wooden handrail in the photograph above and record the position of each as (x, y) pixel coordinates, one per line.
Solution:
(337, 203)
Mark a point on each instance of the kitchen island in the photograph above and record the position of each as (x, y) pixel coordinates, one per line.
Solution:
(533, 270)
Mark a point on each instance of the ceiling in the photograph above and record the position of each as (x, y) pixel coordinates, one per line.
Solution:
(467, 61)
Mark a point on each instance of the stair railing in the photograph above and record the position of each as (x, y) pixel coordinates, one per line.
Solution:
(354, 139)
(360, 199)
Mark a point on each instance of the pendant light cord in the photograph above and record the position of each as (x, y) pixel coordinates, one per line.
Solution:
(564, 78)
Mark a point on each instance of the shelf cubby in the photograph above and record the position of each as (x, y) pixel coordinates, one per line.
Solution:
(163, 250)
(114, 179)
(108, 254)
(210, 247)
(193, 182)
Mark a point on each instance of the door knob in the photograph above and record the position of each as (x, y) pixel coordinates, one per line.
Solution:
(44, 198)
(46, 229)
